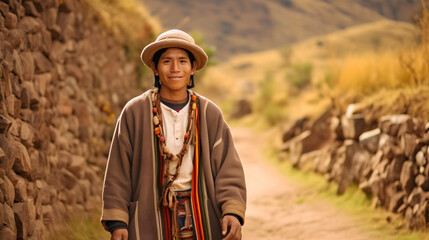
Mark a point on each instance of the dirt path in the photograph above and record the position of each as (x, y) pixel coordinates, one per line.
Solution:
(274, 208)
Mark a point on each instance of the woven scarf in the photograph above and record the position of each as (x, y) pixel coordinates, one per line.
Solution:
(198, 206)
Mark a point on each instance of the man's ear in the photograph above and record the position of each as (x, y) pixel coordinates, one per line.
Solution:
(194, 67)
(152, 66)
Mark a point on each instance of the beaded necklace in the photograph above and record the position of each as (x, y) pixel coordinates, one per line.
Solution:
(167, 194)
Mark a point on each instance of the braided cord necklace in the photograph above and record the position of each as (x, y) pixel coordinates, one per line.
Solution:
(168, 196)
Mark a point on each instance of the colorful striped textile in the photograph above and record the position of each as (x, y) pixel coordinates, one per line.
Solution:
(199, 210)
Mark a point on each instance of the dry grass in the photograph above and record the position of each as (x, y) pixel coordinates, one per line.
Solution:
(81, 226)
(127, 20)
(130, 24)
(401, 73)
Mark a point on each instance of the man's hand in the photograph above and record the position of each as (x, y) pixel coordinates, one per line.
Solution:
(232, 224)
(120, 234)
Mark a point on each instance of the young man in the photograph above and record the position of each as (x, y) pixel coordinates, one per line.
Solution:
(173, 171)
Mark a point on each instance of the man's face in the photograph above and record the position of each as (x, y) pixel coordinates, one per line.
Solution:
(174, 70)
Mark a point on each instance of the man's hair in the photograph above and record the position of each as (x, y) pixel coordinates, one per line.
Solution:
(156, 58)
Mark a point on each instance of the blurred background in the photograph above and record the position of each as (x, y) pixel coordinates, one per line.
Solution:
(327, 100)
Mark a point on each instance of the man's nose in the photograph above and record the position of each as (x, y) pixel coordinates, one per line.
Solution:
(174, 66)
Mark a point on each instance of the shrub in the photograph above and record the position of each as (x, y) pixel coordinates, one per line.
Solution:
(299, 75)
(268, 102)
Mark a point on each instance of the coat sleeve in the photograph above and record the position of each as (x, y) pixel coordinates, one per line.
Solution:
(230, 184)
(117, 179)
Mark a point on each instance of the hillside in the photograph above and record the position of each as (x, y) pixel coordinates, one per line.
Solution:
(244, 26)
(245, 73)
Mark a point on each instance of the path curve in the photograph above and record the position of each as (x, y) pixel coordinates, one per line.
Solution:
(274, 210)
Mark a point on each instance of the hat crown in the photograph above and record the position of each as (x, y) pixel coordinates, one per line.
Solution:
(175, 34)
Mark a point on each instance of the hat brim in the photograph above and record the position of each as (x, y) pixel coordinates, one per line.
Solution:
(199, 54)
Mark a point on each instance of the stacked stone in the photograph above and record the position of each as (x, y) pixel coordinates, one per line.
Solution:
(63, 82)
(387, 158)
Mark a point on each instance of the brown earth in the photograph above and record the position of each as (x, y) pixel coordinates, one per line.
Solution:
(275, 206)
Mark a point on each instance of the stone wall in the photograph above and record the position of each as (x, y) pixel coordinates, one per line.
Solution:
(63, 82)
(386, 157)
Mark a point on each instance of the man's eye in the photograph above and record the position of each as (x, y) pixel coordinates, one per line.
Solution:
(166, 61)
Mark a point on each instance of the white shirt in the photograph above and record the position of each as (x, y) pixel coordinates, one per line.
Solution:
(174, 126)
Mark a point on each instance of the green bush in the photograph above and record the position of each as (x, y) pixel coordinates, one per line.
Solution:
(299, 74)
(271, 109)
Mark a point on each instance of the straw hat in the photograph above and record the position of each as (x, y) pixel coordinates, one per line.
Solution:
(174, 39)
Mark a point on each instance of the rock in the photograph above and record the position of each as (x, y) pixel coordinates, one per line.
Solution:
(30, 9)
(394, 169)
(91, 175)
(73, 124)
(67, 178)
(409, 217)
(17, 8)
(353, 126)
(66, 21)
(44, 194)
(22, 162)
(20, 190)
(377, 187)
(14, 37)
(396, 200)
(16, 88)
(28, 67)
(412, 126)
(414, 197)
(297, 128)
(35, 42)
(309, 161)
(39, 230)
(77, 165)
(49, 17)
(57, 54)
(39, 164)
(48, 216)
(32, 190)
(5, 124)
(7, 234)
(21, 212)
(43, 65)
(41, 81)
(68, 6)
(73, 70)
(390, 124)
(47, 42)
(64, 106)
(369, 140)
(408, 142)
(8, 190)
(8, 217)
(29, 25)
(420, 158)
(25, 98)
(321, 125)
(79, 195)
(17, 66)
(11, 20)
(423, 182)
(27, 133)
(337, 129)
(4, 8)
(9, 155)
(385, 144)
(407, 176)
(241, 109)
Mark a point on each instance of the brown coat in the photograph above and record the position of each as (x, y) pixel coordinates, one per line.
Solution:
(130, 192)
